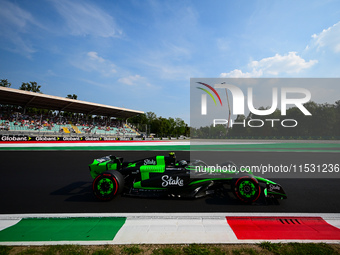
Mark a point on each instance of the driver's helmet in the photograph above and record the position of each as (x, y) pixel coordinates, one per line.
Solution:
(172, 157)
(182, 162)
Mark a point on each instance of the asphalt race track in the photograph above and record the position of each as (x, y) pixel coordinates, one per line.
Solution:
(59, 182)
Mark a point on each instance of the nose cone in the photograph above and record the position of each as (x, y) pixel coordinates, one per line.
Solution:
(275, 191)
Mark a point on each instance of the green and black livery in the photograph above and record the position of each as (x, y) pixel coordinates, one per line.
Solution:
(164, 176)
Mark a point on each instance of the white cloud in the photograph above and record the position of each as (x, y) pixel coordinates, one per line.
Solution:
(135, 80)
(83, 18)
(94, 56)
(286, 64)
(132, 79)
(15, 16)
(290, 63)
(329, 37)
(239, 74)
(50, 73)
(91, 61)
(15, 23)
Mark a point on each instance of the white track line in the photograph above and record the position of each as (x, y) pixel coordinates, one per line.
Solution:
(6, 223)
(328, 216)
(126, 143)
(175, 231)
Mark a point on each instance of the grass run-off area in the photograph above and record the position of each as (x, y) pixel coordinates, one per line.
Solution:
(191, 249)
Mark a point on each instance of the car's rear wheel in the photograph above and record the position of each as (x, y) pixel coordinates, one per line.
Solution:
(107, 185)
(246, 189)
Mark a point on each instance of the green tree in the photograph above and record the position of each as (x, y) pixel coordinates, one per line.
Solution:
(5, 83)
(164, 126)
(180, 128)
(336, 128)
(74, 96)
(237, 129)
(30, 86)
(172, 126)
(150, 116)
(140, 122)
(159, 125)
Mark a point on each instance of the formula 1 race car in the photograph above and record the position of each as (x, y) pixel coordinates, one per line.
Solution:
(164, 176)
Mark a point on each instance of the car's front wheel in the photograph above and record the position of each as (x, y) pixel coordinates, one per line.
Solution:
(246, 189)
(107, 185)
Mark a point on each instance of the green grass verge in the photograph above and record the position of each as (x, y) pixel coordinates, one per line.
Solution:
(299, 248)
(265, 248)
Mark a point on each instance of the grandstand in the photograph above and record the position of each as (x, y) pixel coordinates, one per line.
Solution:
(22, 123)
(11, 127)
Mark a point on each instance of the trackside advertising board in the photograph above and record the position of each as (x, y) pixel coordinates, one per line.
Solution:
(25, 138)
(48, 138)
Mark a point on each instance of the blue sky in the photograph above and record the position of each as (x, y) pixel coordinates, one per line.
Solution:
(141, 54)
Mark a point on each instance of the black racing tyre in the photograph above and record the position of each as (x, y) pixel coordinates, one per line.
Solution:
(107, 185)
(246, 189)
